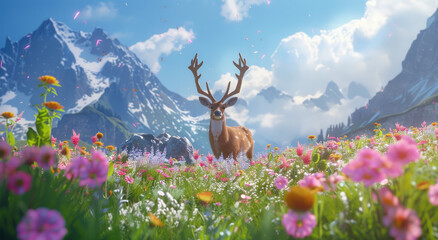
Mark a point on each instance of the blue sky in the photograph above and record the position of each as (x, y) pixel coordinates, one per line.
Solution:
(216, 38)
(305, 43)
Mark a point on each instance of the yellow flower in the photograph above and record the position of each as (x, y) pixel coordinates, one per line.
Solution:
(155, 221)
(49, 80)
(66, 152)
(8, 115)
(53, 105)
(110, 147)
(83, 152)
(434, 124)
(276, 148)
(300, 198)
(311, 137)
(99, 135)
(241, 172)
(205, 197)
(100, 144)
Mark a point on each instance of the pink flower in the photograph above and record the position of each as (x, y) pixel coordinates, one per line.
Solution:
(366, 167)
(196, 155)
(53, 140)
(404, 223)
(5, 150)
(387, 199)
(75, 138)
(300, 150)
(218, 203)
(403, 152)
(46, 157)
(19, 182)
(433, 194)
(209, 158)
(281, 182)
(172, 186)
(41, 223)
(99, 156)
(171, 161)
(121, 173)
(129, 179)
(332, 145)
(308, 157)
(12, 165)
(75, 167)
(299, 225)
(311, 181)
(332, 180)
(29, 155)
(93, 174)
(94, 139)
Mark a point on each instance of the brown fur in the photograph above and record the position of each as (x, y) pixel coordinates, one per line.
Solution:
(227, 142)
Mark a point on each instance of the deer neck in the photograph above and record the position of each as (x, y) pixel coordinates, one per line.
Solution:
(218, 129)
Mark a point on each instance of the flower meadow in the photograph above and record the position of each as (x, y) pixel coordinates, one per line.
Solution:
(378, 187)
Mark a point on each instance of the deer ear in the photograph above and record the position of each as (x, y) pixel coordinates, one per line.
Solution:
(204, 101)
(231, 102)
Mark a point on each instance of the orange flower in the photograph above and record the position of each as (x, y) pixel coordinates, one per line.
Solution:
(268, 146)
(83, 152)
(53, 105)
(300, 198)
(100, 144)
(155, 221)
(49, 80)
(311, 137)
(8, 115)
(99, 135)
(110, 147)
(434, 124)
(424, 185)
(205, 197)
(276, 148)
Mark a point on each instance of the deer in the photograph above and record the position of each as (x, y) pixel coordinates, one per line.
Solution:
(224, 140)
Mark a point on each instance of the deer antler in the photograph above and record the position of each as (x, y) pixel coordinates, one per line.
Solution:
(194, 66)
(242, 67)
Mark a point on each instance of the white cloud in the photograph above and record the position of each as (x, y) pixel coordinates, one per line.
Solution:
(236, 10)
(255, 79)
(368, 50)
(101, 11)
(152, 49)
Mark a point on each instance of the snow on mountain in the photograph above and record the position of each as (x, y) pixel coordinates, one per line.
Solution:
(105, 87)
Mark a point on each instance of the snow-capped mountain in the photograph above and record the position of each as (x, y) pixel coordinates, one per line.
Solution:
(105, 87)
(415, 87)
(331, 96)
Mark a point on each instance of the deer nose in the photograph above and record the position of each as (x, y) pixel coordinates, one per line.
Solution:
(217, 113)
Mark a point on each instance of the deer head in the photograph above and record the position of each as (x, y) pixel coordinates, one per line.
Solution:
(218, 107)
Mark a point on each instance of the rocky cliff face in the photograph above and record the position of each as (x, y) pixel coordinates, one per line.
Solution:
(415, 85)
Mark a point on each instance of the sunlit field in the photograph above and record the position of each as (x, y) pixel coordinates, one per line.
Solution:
(352, 187)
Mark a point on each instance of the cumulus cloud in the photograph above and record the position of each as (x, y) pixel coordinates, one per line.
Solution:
(368, 50)
(236, 10)
(153, 48)
(255, 79)
(101, 11)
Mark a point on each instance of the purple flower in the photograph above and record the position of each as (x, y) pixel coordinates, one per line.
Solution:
(5, 150)
(74, 169)
(19, 182)
(29, 155)
(281, 182)
(41, 223)
(46, 157)
(299, 225)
